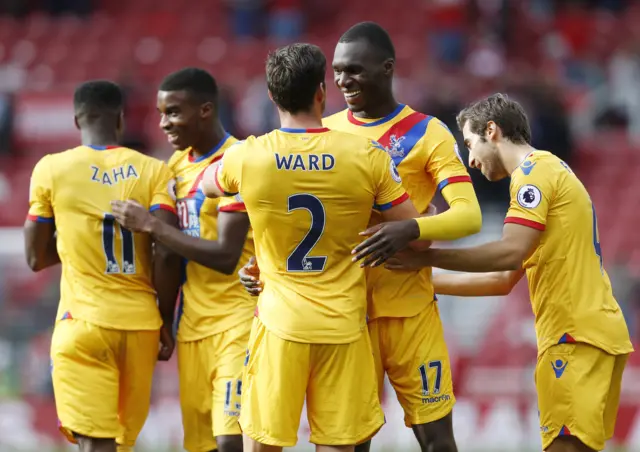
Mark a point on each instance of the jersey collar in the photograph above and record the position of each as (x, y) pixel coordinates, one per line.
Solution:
(353, 120)
(216, 148)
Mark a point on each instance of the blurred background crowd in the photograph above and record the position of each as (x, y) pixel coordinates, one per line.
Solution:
(574, 64)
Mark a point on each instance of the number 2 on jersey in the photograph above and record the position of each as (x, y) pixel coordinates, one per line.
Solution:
(108, 244)
(299, 260)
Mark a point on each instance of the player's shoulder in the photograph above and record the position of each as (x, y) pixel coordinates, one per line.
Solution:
(60, 159)
(539, 172)
(335, 119)
(538, 164)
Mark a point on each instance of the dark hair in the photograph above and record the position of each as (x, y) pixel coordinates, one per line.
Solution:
(506, 113)
(294, 73)
(194, 80)
(98, 97)
(373, 34)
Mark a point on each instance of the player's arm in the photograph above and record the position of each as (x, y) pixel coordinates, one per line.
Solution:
(516, 244)
(221, 255)
(223, 177)
(40, 228)
(391, 201)
(463, 217)
(531, 196)
(444, 164)
(40, 243)
(166, 269)
(476, 284)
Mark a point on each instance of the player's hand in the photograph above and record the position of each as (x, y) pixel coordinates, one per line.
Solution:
(385, 240)
(132, 215)
(250, 277)
(408, 260)
(167, 344)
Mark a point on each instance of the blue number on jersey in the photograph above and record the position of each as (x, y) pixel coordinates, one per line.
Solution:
(299, 260)
(128, 255)
(437, 365)
(596, 235)
(596, 238)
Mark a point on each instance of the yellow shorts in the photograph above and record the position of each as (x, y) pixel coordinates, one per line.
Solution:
(578, 393)
(102, 379)
(210, 374)
(338, 381)
(413, 353)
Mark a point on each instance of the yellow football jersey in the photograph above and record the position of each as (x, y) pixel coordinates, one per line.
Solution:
(427, 157)
(106, 269)
(309, 193)
(210, 302)
(570, 291)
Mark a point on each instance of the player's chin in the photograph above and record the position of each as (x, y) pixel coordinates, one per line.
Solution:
(356, 105)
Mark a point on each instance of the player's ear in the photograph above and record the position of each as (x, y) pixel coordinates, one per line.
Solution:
(206, 110)
(75, 121)
(321, 92)
(270, 95)
(389, 66)
(493, 132)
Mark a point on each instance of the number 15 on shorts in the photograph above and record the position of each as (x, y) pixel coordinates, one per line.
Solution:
(432, 369)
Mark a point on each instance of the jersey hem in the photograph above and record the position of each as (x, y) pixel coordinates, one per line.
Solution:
(324, 341)
(111, 327)
(200, 337)
(614, 351)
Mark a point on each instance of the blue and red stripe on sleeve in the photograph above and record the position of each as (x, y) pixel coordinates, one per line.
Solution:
(234, 207)
(39, 219)
(453, 180)
(166, 207)
(389, 205)
(525, 222)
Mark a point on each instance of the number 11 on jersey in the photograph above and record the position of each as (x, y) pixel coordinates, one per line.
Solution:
(108, 245)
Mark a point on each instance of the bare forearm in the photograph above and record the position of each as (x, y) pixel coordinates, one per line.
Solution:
(472, 284)
(167, 276)
(491, 257)
(211, 254)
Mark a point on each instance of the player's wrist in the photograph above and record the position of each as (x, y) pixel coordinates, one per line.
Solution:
(412, 228)
(153, 226)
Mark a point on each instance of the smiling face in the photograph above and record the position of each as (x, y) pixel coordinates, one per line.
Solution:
(181, 117)
(361, 74)
(483, 152)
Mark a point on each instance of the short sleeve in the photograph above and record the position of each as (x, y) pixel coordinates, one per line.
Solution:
(232, 204)
(40, 192)
(532, 189)
(229, 171)
(444, 161)
(163, 189)
(388, 188)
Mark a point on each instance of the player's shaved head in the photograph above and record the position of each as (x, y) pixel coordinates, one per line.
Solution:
(98, 98)
(197, 82)
(506, 113)
(376, 36)
(294, 73)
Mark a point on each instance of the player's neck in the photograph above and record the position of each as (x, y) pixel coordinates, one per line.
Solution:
(512, 155)
(99, 138)
(300, 121)
(379, 110)
(210, 141)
